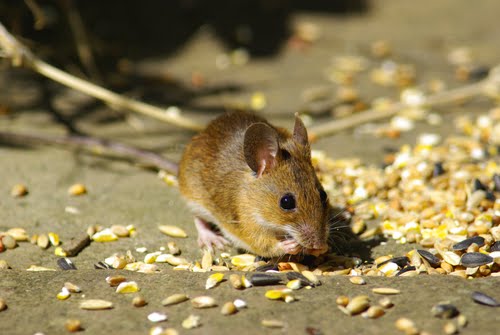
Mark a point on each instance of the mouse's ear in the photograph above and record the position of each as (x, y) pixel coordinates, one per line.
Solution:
(300, 132)
(260, 147)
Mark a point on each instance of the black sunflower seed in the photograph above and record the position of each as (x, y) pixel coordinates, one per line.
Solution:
(473, 259)
(102, 266)
(496, 182)
(66, 264)
(406, 269)
(484, 299)
(495, 246)
(444, 311)
(438, 169)
(477, 185)
(267, 267)
(433, 260)
(490, 196)
(263, 279)
(463, 245)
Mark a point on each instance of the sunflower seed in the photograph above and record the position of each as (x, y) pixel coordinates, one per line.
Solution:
(477, 185)
(66, 264)
(263, 279)
(96, 304)
(174, 299)
(433, 260)
(484, 299)
(267, 267)
(438, 169)
(474, 259)
(495, 246)
(406, 269)
(496, 182)
(444, 311)
(463, 245)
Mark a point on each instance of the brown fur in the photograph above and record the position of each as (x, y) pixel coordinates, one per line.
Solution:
(215, 176)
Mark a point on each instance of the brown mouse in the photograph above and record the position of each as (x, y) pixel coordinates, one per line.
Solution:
(255, 183)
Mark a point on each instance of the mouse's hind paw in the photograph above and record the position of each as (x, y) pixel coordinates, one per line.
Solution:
(207, 237)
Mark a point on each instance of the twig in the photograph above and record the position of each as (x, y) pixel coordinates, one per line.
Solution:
(491, 83)
(80, 36)
(96, 146)
(38, 14)
(20, 55)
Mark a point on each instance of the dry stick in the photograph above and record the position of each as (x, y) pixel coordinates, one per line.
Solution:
(445, 97)
(20, 55)
(81, 40)
(38, 14)
(96, 146)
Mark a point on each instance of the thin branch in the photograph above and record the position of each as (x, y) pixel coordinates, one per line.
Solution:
(38, 14)
(95, 146)
(81, 40)
(20, 55)
(491, 83)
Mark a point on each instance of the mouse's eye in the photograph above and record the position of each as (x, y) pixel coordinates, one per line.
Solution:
(287, 202)
(323, 196)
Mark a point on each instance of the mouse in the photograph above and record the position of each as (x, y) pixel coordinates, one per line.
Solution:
(252, 185)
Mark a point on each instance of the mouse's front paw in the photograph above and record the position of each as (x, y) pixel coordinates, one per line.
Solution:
(290, 246)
